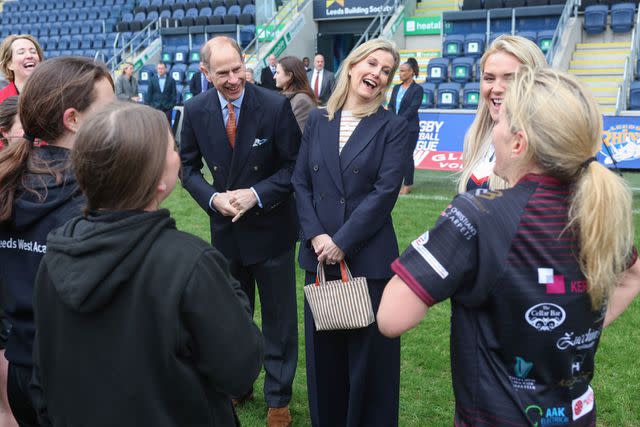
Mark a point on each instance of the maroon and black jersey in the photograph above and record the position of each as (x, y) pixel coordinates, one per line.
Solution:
(523, 333)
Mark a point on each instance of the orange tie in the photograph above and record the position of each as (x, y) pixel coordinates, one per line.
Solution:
(231, 126)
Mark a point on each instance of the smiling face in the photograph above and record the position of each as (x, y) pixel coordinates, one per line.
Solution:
(24, 58)
(226, 71)
(370, 76)
(499, 70)
(282, 77)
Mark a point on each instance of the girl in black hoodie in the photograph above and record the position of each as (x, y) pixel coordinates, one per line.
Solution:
(138, 323)
(38, 193)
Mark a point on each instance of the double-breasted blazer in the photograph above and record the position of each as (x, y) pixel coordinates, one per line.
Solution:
(409, 105)
(350, 196)
(264, 156)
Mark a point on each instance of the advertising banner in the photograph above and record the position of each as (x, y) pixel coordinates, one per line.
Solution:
(345, 9)
(441, 141)
(420, 25)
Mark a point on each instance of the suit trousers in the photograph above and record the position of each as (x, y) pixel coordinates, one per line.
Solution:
(20, 397)
(276, 281)
(353, 376)
(412, 140)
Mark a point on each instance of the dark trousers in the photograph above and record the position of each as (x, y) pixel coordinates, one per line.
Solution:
(412, 140)
(353, 377)
(20, 398)
(276, 282)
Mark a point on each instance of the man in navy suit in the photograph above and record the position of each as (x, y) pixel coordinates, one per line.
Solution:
(199, 83)
(249, 139)
(162, 91)
(267, 79)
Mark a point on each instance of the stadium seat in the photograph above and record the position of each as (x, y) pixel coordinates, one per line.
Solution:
(634, 96)
(452, 45)
(205, 11)
(230, 20)
(100, 41)
(167, 54)
(514, 3)
(191, 70)
(438, 70)
(122, 27)
(493, 4)
(234, 10)
(462, 69)
(494, 36)
(178, 72)
(151, 16)
(595, 19)
(145, 73)
(215, 20)
(622, 17)
(448, 95)
(220, 11)
(531, 35)
(429, 94)
(229, 3)
(474, 45)
(63, 43)
(543, 40)
(247, 33)
(584, 4)
(86, 43)
(180, 55)
(140, 17)
(249, 8)
(246, 19)
(52, 43)
(471, 95)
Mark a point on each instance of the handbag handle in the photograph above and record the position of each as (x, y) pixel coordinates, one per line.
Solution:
(345, 273)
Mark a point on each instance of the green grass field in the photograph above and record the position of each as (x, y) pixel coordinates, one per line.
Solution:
(426, 396)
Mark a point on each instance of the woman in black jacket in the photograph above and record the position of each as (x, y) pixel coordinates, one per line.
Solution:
(138, 323)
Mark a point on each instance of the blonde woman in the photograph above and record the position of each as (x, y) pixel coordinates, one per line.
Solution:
(498, 65)
(535, 272)
(346, 180)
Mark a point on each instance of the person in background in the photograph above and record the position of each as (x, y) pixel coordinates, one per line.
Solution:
(10, 126)
(267, 74)
(39, 193)
(306, 62)
(19, 56)
(292, 81)
(161, 94)
(405, 101)
(127, 84)
(346, 181)
(498, 66)
(199, 82)
(534, 272)
(176, 337)
(414, 66)
(248, 72)
(322, 81)
(249, 139)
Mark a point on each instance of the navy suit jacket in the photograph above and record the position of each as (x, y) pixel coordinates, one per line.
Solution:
(264, 156)
(166, 100)
(195, 84)
(350, 196)
(409, 105)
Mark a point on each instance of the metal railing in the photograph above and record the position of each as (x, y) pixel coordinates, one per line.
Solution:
(570, 9)
(629, 65)
(276, 25)
(140, 40)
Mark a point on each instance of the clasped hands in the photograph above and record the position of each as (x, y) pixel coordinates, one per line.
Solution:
(326, 250)
(235, 203)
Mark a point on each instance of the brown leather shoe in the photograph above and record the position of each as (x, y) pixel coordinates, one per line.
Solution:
(279, 417)
(240, 400)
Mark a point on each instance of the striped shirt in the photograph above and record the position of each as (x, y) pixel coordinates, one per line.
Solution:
(348, 124)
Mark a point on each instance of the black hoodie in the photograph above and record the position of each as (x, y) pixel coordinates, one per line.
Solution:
(139, 324)
(23, 243)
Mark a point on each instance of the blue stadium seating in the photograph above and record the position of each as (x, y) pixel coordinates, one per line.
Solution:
(429, 95)
(595, 19)
(471, 95)
(462, 69)
(531, 35)
(543, 40)
(634, 96)
(191, 70)
(181, 54)
(178, 72)
(194, 55)
(452, 45)
(622, 17)
(474, 45)
(448, 95)
(438, 70)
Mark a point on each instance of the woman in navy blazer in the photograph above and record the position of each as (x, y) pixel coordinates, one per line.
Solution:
(405, 101)
(345, 193)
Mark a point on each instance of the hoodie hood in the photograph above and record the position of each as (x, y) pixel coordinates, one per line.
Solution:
(30, 208)
(89, 259)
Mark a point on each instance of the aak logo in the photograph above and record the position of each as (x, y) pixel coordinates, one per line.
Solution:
(545, 316)
(554, 416)
(521, 369)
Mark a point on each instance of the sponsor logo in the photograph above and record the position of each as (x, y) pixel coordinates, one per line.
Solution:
(580, 342)
(624, 143)
(555, 283)
(579, 286)
(521, 369)
(545, 316)
(461, 222)
(23, 245)
(577, 375)
(553, 416)
(583, 404)
(576, 363)
(423, 239)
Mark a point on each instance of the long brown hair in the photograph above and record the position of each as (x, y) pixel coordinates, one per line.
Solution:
(119, 156)
(8, 112)
(299, 82)
(6, 53)
(55, 85)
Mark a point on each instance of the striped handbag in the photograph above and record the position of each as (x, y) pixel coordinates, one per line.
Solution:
(339, 304)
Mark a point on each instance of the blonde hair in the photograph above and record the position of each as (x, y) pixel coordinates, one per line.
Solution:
(341, 91)
(478, 137)
(563, 127)
(6, 53)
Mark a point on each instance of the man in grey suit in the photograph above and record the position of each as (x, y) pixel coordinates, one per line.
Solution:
(322, 81)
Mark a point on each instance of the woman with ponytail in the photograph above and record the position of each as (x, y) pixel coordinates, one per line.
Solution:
(534, 272)
(39, 193)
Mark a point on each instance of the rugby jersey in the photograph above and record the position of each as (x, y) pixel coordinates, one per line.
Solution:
(523, 334)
